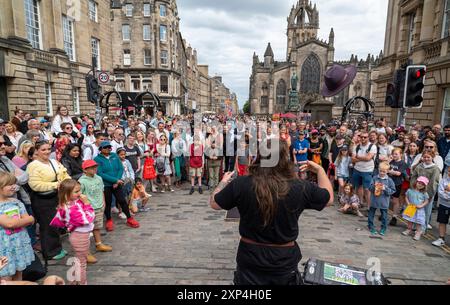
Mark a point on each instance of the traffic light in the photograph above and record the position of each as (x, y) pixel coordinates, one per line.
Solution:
(391, 95)
(93, 89)
(414, 87)
(395, 90)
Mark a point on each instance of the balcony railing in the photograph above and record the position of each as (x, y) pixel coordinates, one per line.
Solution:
(44, 57)
(433, 50)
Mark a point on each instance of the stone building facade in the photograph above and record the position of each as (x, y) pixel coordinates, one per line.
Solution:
(308, 57)
(417, 31)
(46, 50)
(45, 53)
(145, 44)
(150, 53)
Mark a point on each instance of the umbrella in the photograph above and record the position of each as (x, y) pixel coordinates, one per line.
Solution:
(289, 116)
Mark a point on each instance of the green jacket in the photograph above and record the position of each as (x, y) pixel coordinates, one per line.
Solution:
(111, 170)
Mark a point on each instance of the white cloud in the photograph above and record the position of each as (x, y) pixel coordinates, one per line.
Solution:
(226, 33)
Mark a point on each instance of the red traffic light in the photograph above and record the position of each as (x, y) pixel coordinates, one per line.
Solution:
(420, 73)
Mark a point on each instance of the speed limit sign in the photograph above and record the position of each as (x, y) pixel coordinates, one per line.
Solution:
(103, 78)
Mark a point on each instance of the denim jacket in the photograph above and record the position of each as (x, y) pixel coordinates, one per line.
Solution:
(382, 202)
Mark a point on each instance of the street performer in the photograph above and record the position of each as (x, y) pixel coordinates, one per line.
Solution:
(268, 253)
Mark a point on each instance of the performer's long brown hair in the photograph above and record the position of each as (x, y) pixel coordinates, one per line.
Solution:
(272, 184)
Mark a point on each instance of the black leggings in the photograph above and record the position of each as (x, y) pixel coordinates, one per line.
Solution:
(44, 210)
(120, 200)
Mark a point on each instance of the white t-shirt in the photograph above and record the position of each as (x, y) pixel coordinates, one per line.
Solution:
(115, 146)
(365, 166)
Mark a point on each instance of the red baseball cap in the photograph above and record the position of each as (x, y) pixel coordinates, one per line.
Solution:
(89, 163)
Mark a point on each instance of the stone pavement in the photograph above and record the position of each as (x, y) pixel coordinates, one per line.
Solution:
(183, 241)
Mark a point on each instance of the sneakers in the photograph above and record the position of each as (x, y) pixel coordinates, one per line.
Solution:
(103, 248)
(60, 256)
(162, 189)
(429, 227)
(382, 232)
(192, 191)
(144, 210)
(91, 259)
(438, 242)
(109, 225)
(132, 223)
(115, 210)
(200, 191)
(122, 216)
(406, 233)
(359, 214)
(393, 221)
(417, 235)
(373, 232)
(170, 189)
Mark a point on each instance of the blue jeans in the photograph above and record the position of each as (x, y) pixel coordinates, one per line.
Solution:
(384, 218)
(31, 229)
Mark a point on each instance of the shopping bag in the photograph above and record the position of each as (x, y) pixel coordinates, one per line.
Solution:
(410, 211)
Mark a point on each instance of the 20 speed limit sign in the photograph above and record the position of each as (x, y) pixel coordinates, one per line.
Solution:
(103, 78)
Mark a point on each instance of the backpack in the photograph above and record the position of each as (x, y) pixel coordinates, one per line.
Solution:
(377, 156)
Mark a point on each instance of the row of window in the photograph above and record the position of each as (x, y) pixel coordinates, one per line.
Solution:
(146, 84)
(147, 32)
(164, 57)
(129, 8)
(49, 100)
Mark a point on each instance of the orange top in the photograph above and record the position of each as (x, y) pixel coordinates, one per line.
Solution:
(138, 193)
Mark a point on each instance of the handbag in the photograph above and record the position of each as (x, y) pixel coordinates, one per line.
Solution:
(149, 172)
(35, 271)
(410, 211)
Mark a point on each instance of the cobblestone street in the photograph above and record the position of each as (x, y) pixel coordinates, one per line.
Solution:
(183, 241)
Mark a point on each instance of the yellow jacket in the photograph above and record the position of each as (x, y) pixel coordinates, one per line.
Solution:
(42, 176)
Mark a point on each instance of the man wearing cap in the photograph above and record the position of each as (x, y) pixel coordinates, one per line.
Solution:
(110, 169)
(363, 160)
(45, 132)
(92, 186)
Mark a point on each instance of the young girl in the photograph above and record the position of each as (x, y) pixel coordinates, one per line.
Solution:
(139, 197)
(164, 172)
(412, 150)
(418, 198)
(398, 175)
(431, 170)
(342, 163)
(350, 201)
(77, 215)
(15, 243)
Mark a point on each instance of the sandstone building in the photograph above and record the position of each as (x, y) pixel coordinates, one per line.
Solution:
(417, 31)
(308, 57)
(45, 53)
(46, 49)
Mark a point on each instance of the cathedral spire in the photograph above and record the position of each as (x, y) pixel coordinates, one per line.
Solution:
(269, 51)
(331, 38)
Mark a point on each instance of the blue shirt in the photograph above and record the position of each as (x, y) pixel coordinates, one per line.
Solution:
(301, 145)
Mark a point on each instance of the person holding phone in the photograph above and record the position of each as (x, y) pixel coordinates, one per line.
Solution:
(270, 201)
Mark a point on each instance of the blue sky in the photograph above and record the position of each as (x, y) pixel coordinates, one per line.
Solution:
(226, 33)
